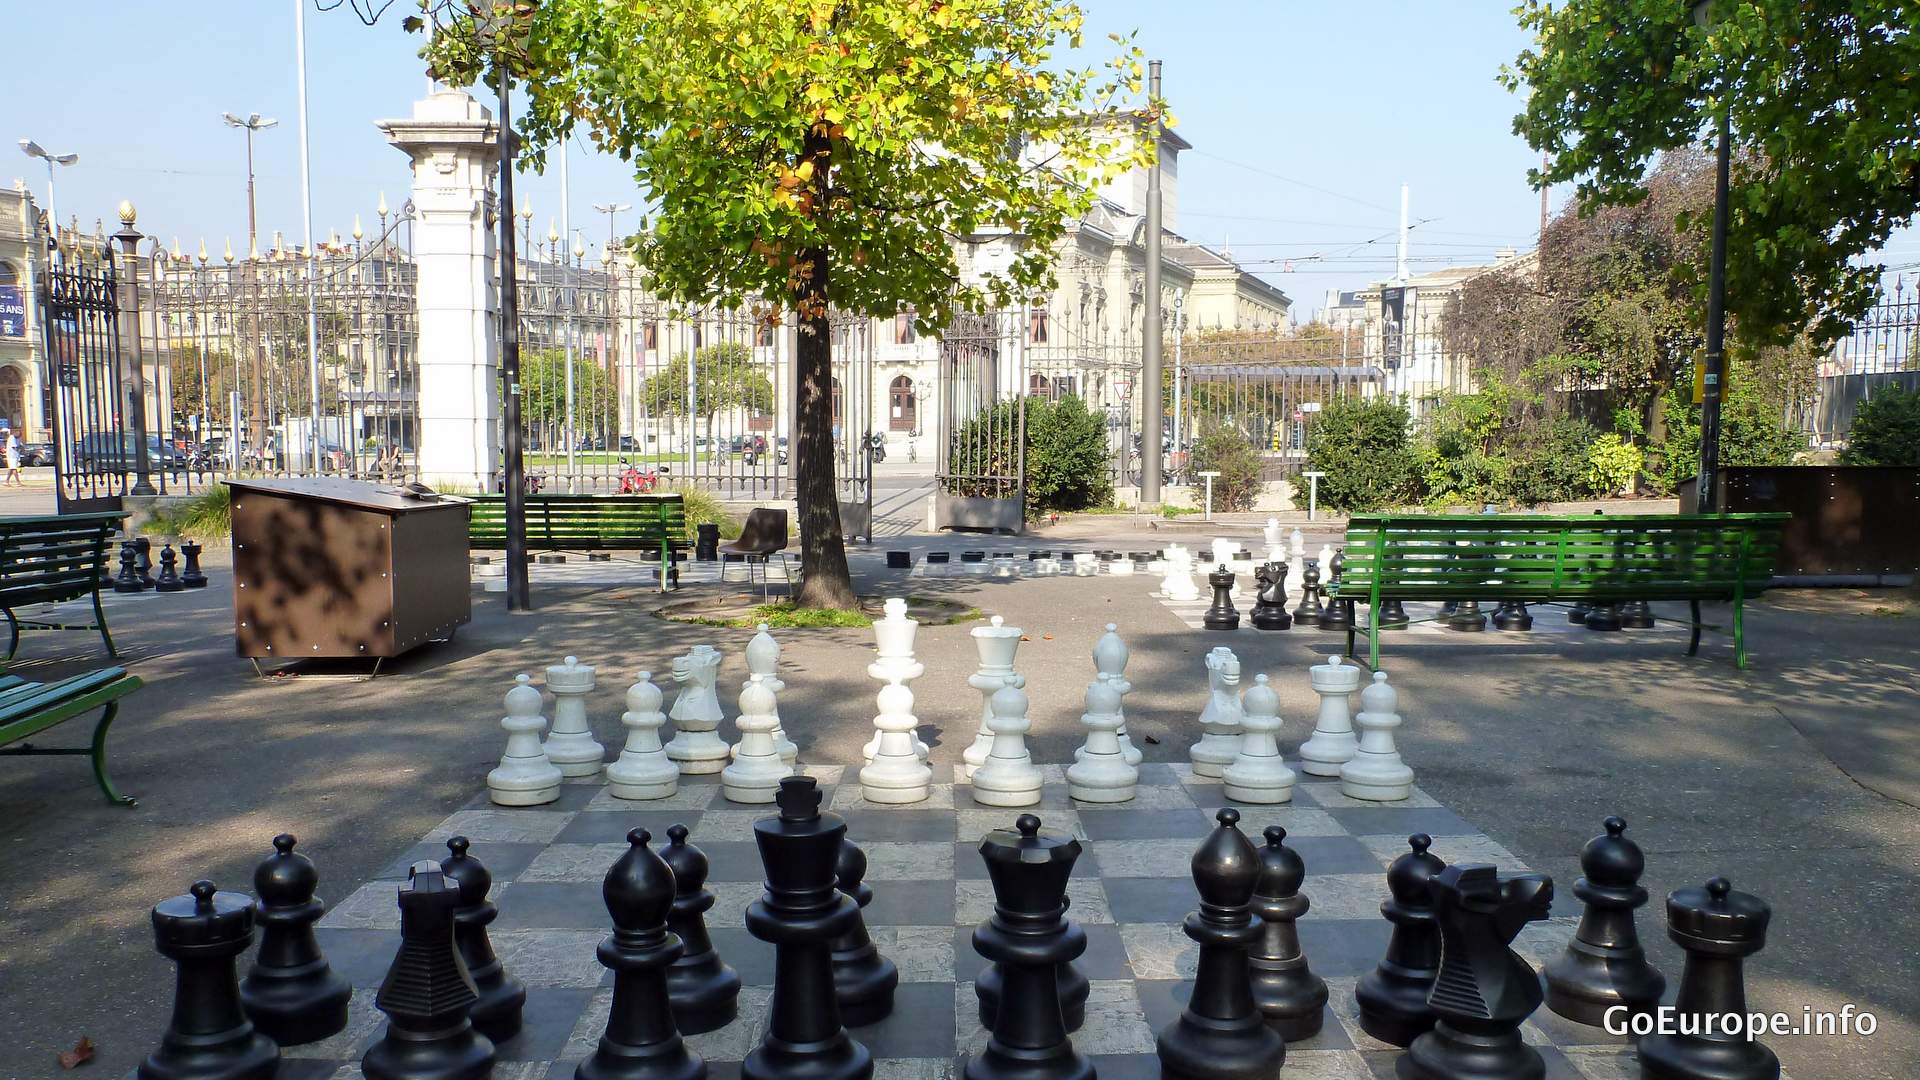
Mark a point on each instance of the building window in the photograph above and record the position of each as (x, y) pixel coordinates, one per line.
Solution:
(836, 408)
(8, 275)
(903, 328)
(13, 398)
(699, 336)
(1037, 327)
(764, 338)
(650, 337)
(1040, 386)
(902, 412)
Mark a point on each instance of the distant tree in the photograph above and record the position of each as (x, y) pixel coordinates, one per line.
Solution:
(543, 394)
(1886, 430)
(726, 378)
(1364, 447)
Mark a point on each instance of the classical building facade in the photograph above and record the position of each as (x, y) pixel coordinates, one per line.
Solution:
(21, 404)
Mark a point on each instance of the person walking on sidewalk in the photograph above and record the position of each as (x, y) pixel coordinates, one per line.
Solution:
(14, 479)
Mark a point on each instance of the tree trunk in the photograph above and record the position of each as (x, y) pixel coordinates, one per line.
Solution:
(823, 550)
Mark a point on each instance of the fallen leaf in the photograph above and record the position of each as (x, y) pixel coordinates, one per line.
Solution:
(1024, 637)
(1151, 741)
(81, 1053)
(1046, 637)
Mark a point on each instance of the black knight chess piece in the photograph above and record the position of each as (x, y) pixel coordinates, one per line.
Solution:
(1604, 965)
(640, 1042)
(1393, 615)
(496, 1012)
(191, 577)
(1636, 615)
(1309, 611)
(704, 990)
(143, 561)
(1512, 616)
(1339, 613)
(1393, 996)
(291, 994)
(1719, 928)
(1485, 990)
(208, 1036)
(1603, 617)
(128, 580)
(1220, 614)
(1467, 617)
(1270, 600)
(169, 579)
(863, 980)
(427, 992)
(1288, 994)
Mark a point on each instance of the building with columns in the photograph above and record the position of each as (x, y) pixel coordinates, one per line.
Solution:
(22, 407)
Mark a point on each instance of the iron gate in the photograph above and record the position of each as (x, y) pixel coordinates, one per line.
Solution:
(93, 452)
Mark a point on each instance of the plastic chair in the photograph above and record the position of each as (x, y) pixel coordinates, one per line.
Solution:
(762, 537)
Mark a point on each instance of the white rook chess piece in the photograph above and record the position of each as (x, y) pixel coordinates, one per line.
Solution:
(1110, 659)
(1179, 583)
(570, 744)
(1220, 721)
(757, 770)
(643, 770)
(1376, 772)
(893, 639)
(1257, 774)
(763, 656)
(695, 746)
(996, 643)
(525, 777)
(1101, 773)
(1332, 743)
(1009, 777)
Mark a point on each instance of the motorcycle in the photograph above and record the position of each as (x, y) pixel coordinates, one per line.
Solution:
(877, 444)
(635, 482)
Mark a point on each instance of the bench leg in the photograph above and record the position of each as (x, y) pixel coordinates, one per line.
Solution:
(13, 625)
(1350, 633)
(1740, 635)
(100, 619)
(100, 756)
(1693, 647)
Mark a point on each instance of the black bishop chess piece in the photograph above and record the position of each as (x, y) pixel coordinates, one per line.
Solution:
(1603, 617)
(801, 913)
(143, 561)
(291, 994)
(191, 577)
(640, 1041)
(1393, 996)
(1031, 943)
(1270, 599)
(1636, 615)
(427, 993)
(1467, 617)
(1287, 993)
(1221, 1035)
(1309, 610)
(128, 580)
(1719, 928)
(1485, 990)
(1512, 616)
(863, 979)
(1393, 615)
(1339, 613)
(496, 1012)
(704, 990)
(1220, 614)
(208, 1036)
(169, 579)
(1604, 965)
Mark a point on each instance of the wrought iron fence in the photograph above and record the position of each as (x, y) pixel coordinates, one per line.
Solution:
(1270, 389)
(1882, 352)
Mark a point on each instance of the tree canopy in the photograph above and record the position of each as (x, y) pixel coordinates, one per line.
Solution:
(726, 377)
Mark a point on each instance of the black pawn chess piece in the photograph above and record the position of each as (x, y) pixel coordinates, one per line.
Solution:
(801, 913)
(704, 990)
(1288, 994)
(169, 579)
(143, 561)
(1031, 942)
(1577, 614)
(1719, 928)
(1270, 601)
(1393, 996)
(1603, 617)
(1310, 610)
(496, 1012)
(1512, 616)
(1339, 613)
(128, 580)
(1393, 615)
(1220, 1034)
(1604, 965)
(1485, 990)
(291, 994)
(640, 1042)
(1636, 615)
(1467, 617)
(191, 577)
(208, 1036)
(863, 980)
(427, 992)
(1220, 614)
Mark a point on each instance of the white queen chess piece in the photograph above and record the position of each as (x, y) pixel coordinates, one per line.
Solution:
(1009, 777)
(1220, 721)
(643, 770)
(996, 643)
(1101, 773)
(896, 773)
(1257, 774)
(893, 636)
(763, 658)
(696, 746)
(524, 777)
(1332, 743)
(1376, 772)
(1110, 655)
(570, 744)
(756, 771)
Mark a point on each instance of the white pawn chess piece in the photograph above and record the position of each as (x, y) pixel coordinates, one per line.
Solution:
(893, 640)
(1332, 743)
(570, 744)
(763, 657)
(1257, 774)
(1101, 773)
(643, 770)
(996, 643)
(1009, 777)
(1297, 545)
(1297, 573)
(696, 746)
(756, 771)
(1110, 656)
(1376, 772)
(896, 774)
(524, 777)
(1220, 721)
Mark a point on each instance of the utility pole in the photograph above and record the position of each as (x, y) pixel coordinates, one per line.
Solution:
(255, 122)
(1400, 267)
(1712, 392)
(1150, 374)
(519, 596)
(573, 272)
(306, 214)
(612, 209)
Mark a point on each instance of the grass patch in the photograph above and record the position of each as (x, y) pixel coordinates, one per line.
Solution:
(1890, 613)
(783, 614)
(1170, 511)
(206, 516)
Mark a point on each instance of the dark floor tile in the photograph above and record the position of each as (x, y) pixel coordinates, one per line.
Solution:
(746, 954)
(1144, 825)
(1126, 1066)
(1339, 948)
(1149, 900)
(1162, 1000)
(552, 905)
(1401, 821)
(612, 827)
(1334, 855)
(546, 1021)
(363, 956)
(911, 903)
(864, 826)
(920, 1026)
(1158, 774)
(733, 860)
(1331, 1035)
(503, 861)
(1565, 1032)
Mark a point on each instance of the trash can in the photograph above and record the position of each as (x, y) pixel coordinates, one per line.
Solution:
(706, 544)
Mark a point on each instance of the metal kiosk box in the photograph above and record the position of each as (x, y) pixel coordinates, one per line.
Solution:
(326, 567)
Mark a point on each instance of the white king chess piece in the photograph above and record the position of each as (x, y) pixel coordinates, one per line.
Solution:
(1110, 656)
(696, 747)
(1009, 777)
(893, 637)
(1376, 772)
(996, 643)
(1220, 721)
(1332, 743)
(570, 745)
(1257, 774)
(643, 770)
(763, 657)
(896, 773)
(524, 777)
(1101, 773)
(756, 771)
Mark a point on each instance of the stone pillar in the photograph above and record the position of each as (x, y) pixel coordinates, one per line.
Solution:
(453, 143)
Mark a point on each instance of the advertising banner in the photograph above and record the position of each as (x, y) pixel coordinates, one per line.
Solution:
(13, 312)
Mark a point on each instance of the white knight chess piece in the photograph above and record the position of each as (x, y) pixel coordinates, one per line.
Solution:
(696, 746)
(1220, 721)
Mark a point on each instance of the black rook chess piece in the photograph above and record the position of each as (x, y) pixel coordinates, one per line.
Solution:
(496, 1012)
(1719, 928)
(1636, 615)
(1339, 613)
(704, 990)
(1467, 617)
(1221, 1034)
(640, 1042)
(1309, 611)
(1031, 942)
(1220, 614)
(208, 1037)
(1270, 601)
(1485, 990)
(427, 992)
(863, 980)
(191, 577)
(1603, 617)
(1393, 996)
(128, 580)
(1512, 615)
(1604, 965)
(1292, 998)
(143, 561)
(802, 913)
(169, 579)
(291, 994)
(1393, 615)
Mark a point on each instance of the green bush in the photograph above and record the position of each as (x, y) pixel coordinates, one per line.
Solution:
(206, 516)
(1753, 431)
(1363, 447)
(1886, 430)
(1550, 465)
(1612, 465)
(1066, 459)
(704, 507)
(1226, 450)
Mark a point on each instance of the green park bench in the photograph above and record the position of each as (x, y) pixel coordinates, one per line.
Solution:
(1541, 559)
(28, 708)
(588, 523)
(48, 560)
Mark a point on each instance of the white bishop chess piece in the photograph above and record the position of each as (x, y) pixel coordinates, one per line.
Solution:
(893, 636)
(643, 770)
(756, 771)
(524, 777)
(1101, 773)
(1110, 655)
(1178, 584)
(1332, 743)
(1257, 774)
(1220, 721)
(696, 745)
(1009, 777)
(570, 744)
(1376, 772)
(996, 643)
(763, 657)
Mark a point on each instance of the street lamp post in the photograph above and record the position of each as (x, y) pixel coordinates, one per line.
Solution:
(1714, 377)
(35, 150)
(253, 122)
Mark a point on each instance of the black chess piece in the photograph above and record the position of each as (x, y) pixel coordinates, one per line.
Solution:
(496, 1012)
(291, 994)
(1485, 990)
(1339, 613)
(1221, 1034)
(208, 1036)
(863, 980)
(1393, 615)
(427, 992)
(1719, 928)
(1603, 617)
(640, 1042)
(704, 990)
(1310, 609)
(1287, 993)
(1636, 615)
(191, 577)
(1577, 614)
(1512, 616)
(128, 580)
(169, 579)
(801, 913)
(143, 561)
(1467, 617)
(1448, 608)
(1072, 983)
(1031, 942)
(1220, 614)
(1604, 965)
(1270, 601)
(1393, 996)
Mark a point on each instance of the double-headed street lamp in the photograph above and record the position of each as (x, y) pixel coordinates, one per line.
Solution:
(35, 150)
(253, 122)
(1713, 379)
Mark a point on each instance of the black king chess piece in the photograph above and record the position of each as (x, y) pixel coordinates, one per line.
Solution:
(1310, 610)
(1512, 616)
(496, 1013)
(208, 1036)
(801, 913)
(1291, 997)
(427, 992)
(1339, 613)
(640, 1042)
(1719, 928)
(1393, 996)
(128, 580)
(1031, 942)
(1393, 615)
(1221, 1034)
(863, 980)
(1270, 597)
(704, 990)
(169, 579)
(191, 577)
(1220, 614)
(1485, 990)
(1604, 965)
(291, 994)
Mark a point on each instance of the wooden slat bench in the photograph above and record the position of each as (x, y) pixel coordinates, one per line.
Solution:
(47, 560)
(588, 523)
(1539, 559)
(28, 708)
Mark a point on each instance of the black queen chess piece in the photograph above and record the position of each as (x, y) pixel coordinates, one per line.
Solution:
(1270, 599)
(640, 1041)
(1221, 614)
(169, 579)
(1309, 611)
(128, 580)
(1339, 613)
(192, 577)
(208, 1037)
(427, 992)
(1513, 617)
(1719, 928)
(1485, 990)
(496, 1011)
(863, 980)
(1287, 993)
(291, 994)
(1393, 996)
(1604, 965)
(705, 992)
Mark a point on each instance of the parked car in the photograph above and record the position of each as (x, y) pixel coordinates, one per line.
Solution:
(108, 451)
(36, 453)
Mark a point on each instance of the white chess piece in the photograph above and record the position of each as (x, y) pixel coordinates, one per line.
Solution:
(1101, 773)
(1376, 772)
(893, 636)
(570, 744)
(1085, 564)
(757, 769)
(643, 770)
(1223, 552)
(696, 745)
(896, 774)
(996, 643)
(1220, 721)
(1325, 562)
(1009, 777)
(1272, 535)
(1178, 583)
(524, 777)
(1121, 568)
(763, 657)
(1332, 743)
(1257, 774)
(1110, 656)
(1297, 545)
